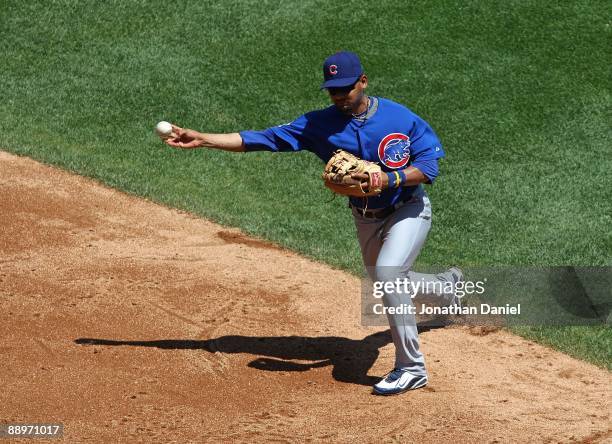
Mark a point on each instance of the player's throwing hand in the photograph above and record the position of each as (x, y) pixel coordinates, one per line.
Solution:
(184, 138)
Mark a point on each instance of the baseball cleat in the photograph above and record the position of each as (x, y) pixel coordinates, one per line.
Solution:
(399, 381)
(457, 275)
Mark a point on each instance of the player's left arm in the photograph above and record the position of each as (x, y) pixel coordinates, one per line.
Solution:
(409, 177)
(423, 170)
(425, 150)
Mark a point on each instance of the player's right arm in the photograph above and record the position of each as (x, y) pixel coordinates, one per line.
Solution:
(288, 137)
(189, 139)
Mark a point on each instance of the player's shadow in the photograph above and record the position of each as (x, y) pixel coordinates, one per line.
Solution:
(351, 358)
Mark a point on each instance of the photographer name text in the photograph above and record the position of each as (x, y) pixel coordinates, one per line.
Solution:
(482, 309)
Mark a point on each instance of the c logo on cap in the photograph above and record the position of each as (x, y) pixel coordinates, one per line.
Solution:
(333, 70)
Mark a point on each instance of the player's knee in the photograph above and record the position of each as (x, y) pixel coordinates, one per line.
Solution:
(384, 273)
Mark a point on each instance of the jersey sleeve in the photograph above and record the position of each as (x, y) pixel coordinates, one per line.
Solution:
(425, 148)
(287, 137)
(428, 167)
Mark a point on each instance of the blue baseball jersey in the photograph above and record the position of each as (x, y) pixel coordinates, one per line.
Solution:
(388, 134)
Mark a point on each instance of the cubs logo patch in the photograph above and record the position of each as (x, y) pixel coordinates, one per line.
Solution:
(333, 70)
(394, 150)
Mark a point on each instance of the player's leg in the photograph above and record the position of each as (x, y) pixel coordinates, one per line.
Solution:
(389, 249)
(435, 289)
(403, 237)
(409, 372)
(369, 234)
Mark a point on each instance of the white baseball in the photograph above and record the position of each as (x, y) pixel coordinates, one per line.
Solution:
(163, 129)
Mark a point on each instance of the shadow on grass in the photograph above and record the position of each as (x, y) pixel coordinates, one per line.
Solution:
(351, 358)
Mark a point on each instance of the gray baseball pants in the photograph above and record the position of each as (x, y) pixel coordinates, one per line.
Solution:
(389, 248)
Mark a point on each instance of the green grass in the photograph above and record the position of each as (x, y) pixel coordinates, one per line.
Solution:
(590, 343)
(519, 92)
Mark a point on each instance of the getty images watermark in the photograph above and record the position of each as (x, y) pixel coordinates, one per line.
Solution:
(503, 295)
(446, 291)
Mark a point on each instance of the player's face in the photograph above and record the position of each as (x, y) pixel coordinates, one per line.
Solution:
(350, 98)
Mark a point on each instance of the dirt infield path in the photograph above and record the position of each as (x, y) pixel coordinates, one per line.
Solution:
(130, 322)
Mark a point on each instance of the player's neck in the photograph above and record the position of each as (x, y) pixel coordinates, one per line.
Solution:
(363, 106)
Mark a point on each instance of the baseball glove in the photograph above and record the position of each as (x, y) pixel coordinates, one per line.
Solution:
(337, 175)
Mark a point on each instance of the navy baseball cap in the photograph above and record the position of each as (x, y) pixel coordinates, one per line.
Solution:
(341, 69)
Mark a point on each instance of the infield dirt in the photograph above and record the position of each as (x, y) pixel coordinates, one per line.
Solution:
(130, 322)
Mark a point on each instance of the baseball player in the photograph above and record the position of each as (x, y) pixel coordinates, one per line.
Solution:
(392, 226)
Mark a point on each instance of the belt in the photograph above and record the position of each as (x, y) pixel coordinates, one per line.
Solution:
(380, 213)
